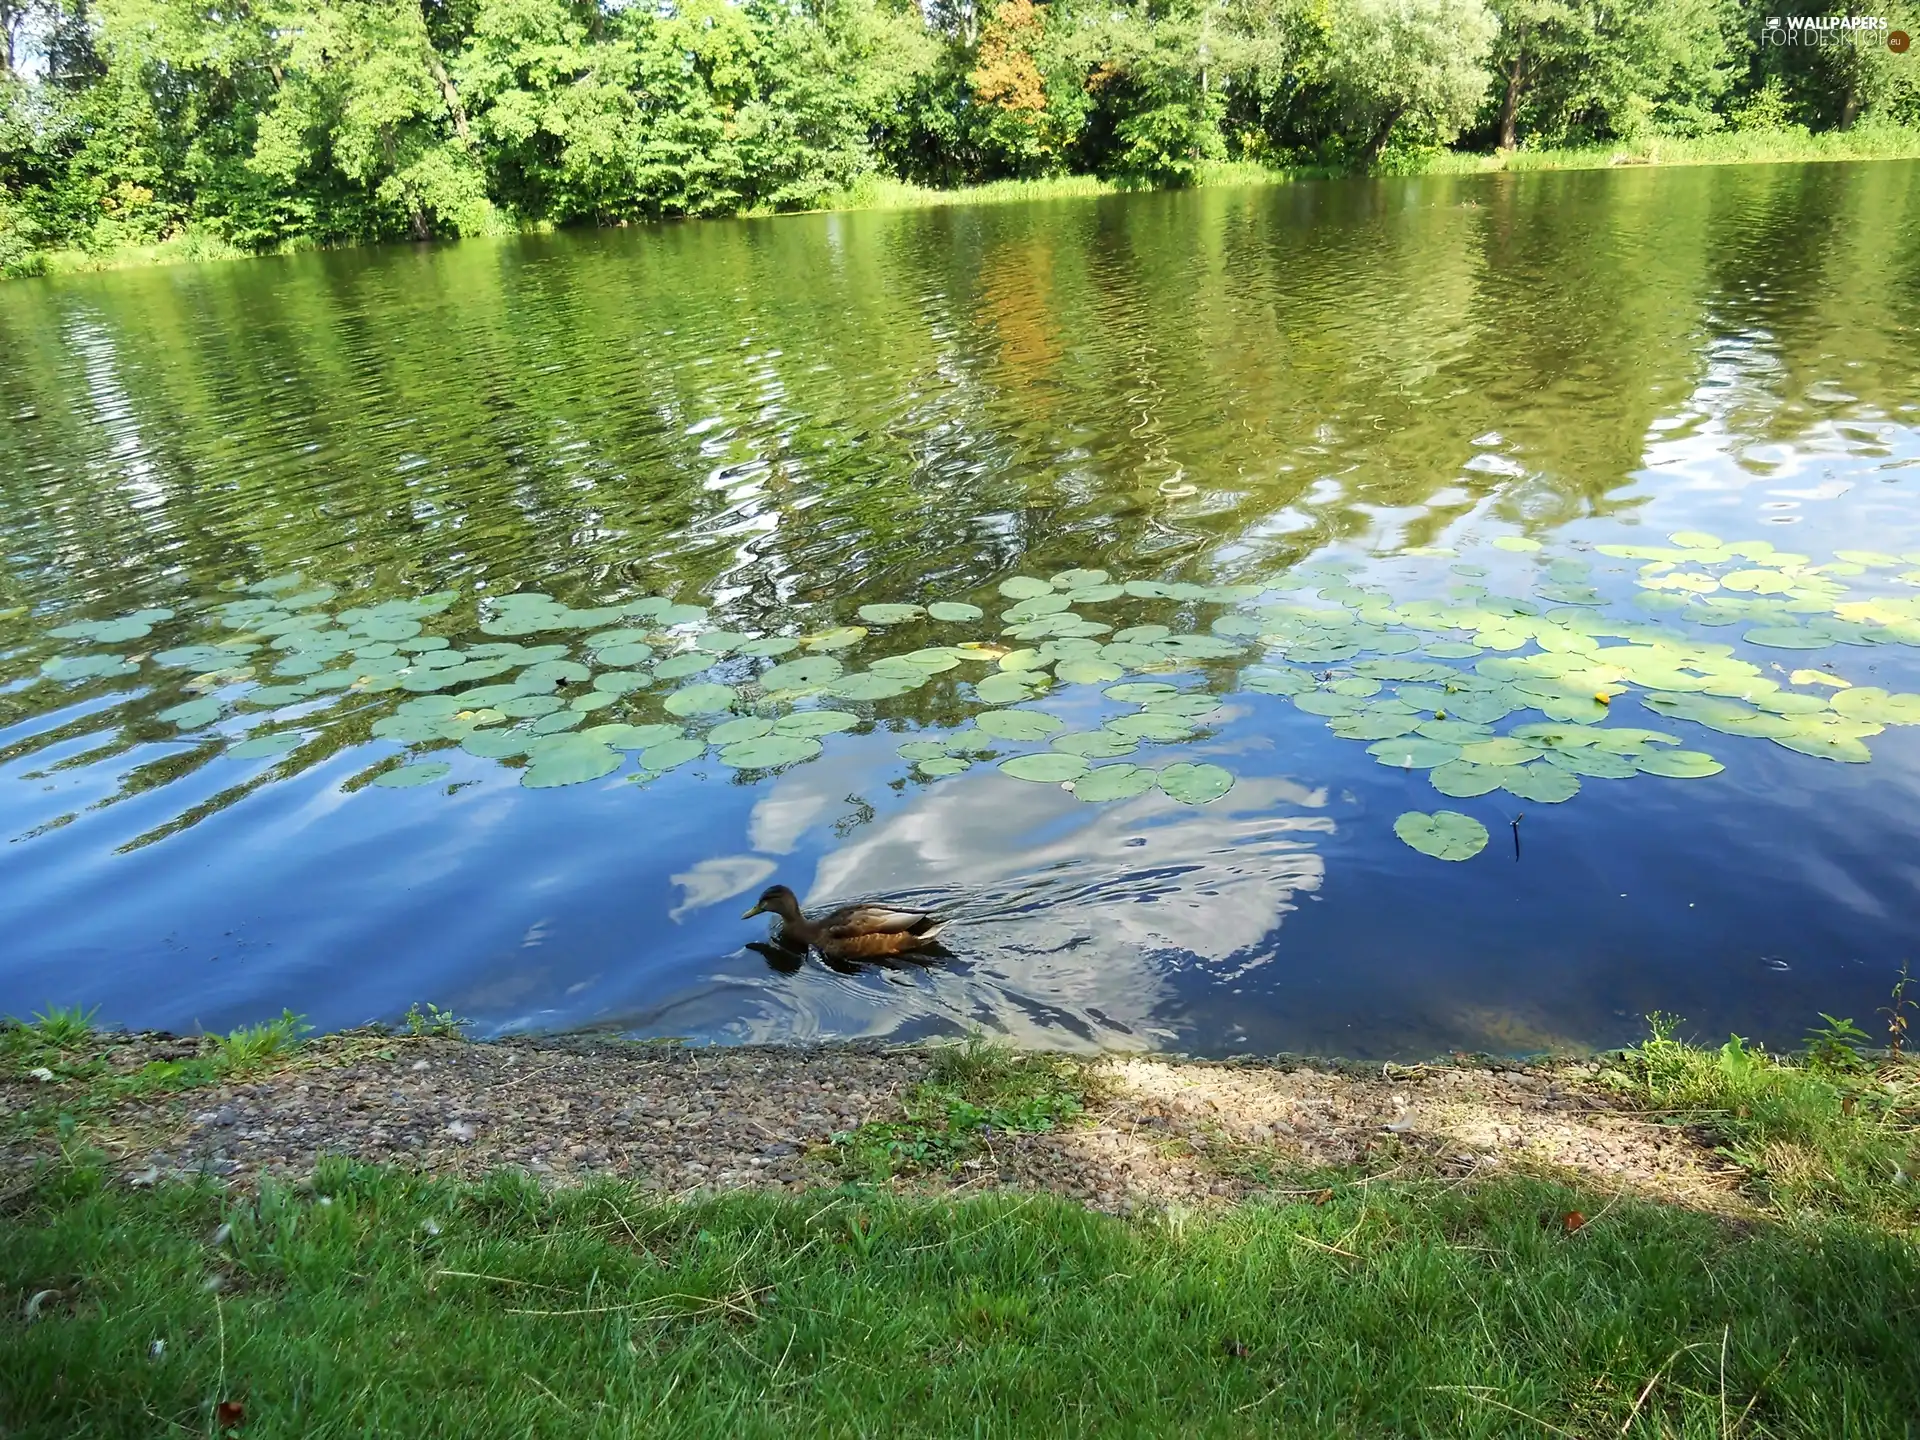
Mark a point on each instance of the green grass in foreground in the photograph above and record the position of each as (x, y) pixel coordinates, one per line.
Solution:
(374, 1302)
(380, 1304)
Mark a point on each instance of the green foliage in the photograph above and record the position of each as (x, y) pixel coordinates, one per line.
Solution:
(428, 1308)
(433, 1021)
(62, 1027)
(163, 127)
(1835, 1045)
(252, 1047)
(971, 1092)
(1832, 1134)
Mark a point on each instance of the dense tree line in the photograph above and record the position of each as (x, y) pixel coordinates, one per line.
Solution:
(260, 122)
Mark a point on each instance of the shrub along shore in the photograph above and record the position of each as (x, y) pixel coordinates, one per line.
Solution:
(408, 1232)
(1793, 145)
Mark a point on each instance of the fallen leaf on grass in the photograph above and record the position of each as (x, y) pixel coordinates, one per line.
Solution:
(1573, 1220)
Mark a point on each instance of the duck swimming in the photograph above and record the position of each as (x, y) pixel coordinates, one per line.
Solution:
(853, 932)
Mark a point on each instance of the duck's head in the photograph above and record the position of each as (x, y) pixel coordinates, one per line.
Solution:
(775, 900)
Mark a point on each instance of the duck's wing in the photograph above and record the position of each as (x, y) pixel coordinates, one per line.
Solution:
(873, 944)
(875, 920)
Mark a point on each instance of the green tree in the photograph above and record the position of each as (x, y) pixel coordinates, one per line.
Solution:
(1408, 69)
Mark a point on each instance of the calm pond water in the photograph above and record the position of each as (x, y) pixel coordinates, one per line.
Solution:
(1392, 467)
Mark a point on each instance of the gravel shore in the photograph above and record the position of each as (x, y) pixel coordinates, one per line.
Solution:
(1156, 1131)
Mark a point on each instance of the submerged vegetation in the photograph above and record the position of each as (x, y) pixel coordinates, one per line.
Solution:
(284, 675)
(1399, 1298)
(162, 128)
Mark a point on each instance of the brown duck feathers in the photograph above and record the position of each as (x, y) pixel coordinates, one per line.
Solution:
(853, 932)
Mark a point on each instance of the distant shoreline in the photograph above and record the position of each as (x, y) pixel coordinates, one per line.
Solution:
(1750, 147)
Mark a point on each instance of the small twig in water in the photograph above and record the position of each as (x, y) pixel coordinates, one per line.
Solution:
(1516, 833)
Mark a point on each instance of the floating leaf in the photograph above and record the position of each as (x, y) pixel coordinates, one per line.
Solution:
(1150, 726)
(1445, 834)
(1011, 687)
(721, 642)
(1321, 702)
(890, 614)
(1274, 680)
(1505, 750)
(1463, 780)
(621, 682)
(1414, 753)
(747, 727)
(1095, 744)
(768, 645)
(1087, 672)
(1677, 764)
(670, 754)
(807, 673)
(1047, 767)
(1076, 579)
(769, 751)
(1113, 782)
(954, 612)
(1139, 692)
(193, 714)
(88, 667)
(1786, 637)
(1520, 545)
(815, 722)
(701, 700)
(1023, 587)
(558, 721)
(934, 766)
(408, 776)
(679, 667)
(1543, 784)
(1017, 724)
(877, 687)
(838, 639)
(568, 760)
(1871, 703)
(1826, 746)
(624, 655)
(264, 747)
(1195, 784)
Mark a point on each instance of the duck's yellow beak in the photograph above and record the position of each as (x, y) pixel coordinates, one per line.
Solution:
(756, 910)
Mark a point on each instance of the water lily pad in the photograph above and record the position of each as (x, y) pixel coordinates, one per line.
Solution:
(935, 766)
(1274, 680)
(701, 700)
(1150, 726)
(1076, 579)
(1372, 727)
(1787, 637)
(193, 714)
(568, 760)
(1139, 692)
(1190, 705)
(1009, 687)
(890, 614)
(838, 638)
(877, 687)
(1087, 672)
(1046, 767)
(769, 645)
(1543, 784)
(954, 612)
(1193, 784)
(1519, 545)
(1445, 834)
(621, 682)
(721, 642)
(1324, 703)
(407, 776)
(1113, 782)
(625, 655)
(1095, 744)
(592, 700)
(815, 722)
(807, 673)
(1677, 764)
(1024, 587)
(920, 749)
(527, 707)
(556, 722)
(1825, 745)
(670, 754)
(1137, 656)
(89, 667)
(265, 747)
(769, 751)
(1413, 752)
(680, 667)
(499, 744)
(1503, 750)
(1018, 724)
(1464, 780)
(1868, 702)
(747, 727)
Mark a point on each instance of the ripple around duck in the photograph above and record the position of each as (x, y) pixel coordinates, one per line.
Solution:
(1207, 386)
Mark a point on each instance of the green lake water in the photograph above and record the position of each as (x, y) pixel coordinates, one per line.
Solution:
(1582, 506)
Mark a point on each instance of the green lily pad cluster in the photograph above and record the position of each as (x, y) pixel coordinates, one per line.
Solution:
(1071, 683)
